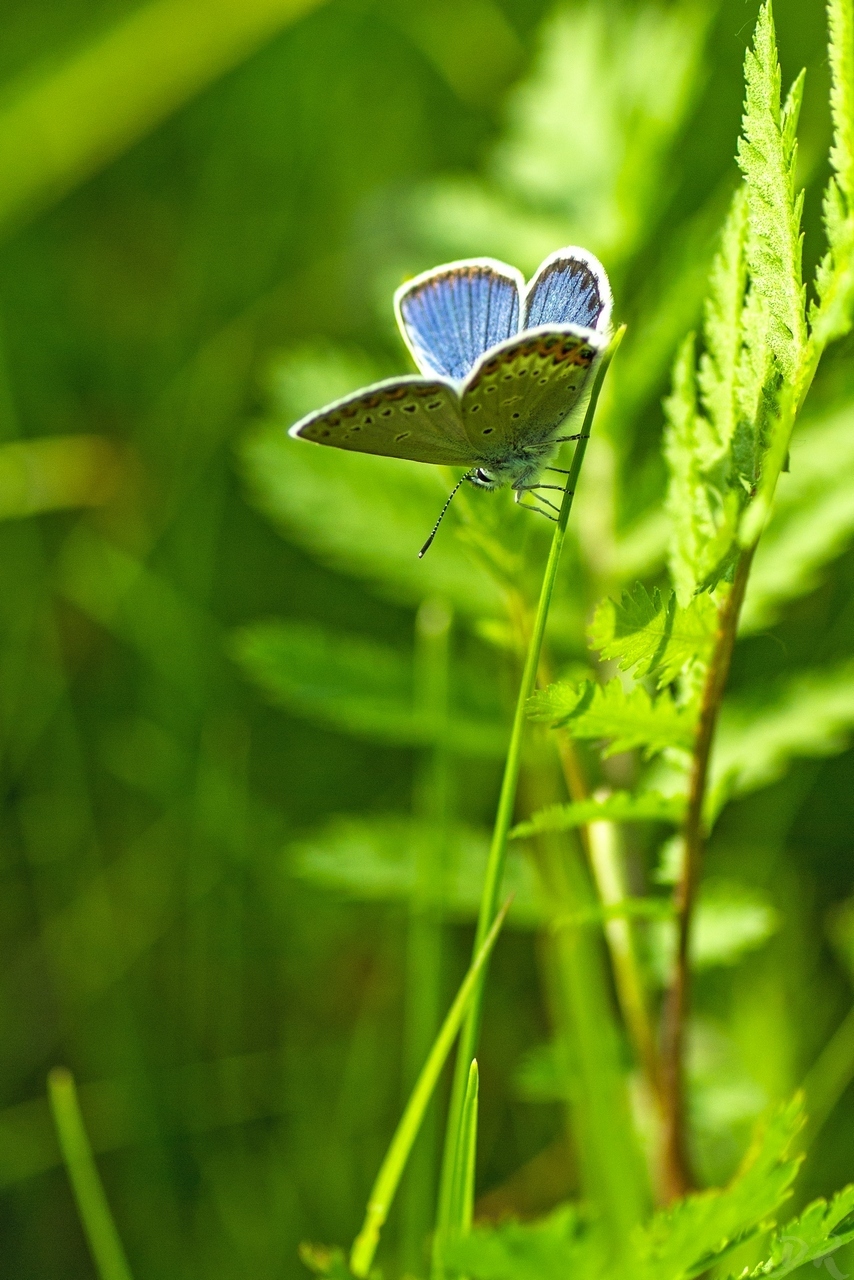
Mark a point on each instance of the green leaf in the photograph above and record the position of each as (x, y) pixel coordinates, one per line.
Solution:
(767, 154)
(812, 522)
(700, 1231)
(656, 636)
(376, 860)
(550, 1248)
(722, 330)
(819, 1231)
(703, 508)
(811, 716)
(354, 685)
(626, 720)
(680, 1242)
(619, 806)
(830, 315)
(731, 920)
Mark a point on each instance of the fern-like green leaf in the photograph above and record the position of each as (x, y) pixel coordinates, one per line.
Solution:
(812, 716)
(767, 153)
(680, 1242)
(353, 685)
(722, 330)
(549, 1248)
(624, 720)
(702, 506)
(819, 1231)
(652, 634)
(376, 859)
(812, 522)
(700, 1231)
(619, 806)
(831, 314)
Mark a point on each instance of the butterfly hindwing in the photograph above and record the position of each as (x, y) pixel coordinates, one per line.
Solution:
(520, 393)
(570, 287)
(415, 418)
(451, 315)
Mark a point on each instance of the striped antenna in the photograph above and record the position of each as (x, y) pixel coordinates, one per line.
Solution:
(426, 546)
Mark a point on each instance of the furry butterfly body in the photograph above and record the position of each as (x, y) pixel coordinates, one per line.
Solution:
(501, 365)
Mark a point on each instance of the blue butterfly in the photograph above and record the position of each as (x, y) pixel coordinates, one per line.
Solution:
(502, 365)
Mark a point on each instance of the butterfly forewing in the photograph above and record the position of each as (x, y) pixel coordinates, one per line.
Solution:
(570, 287)
(520, 394)
(450, 316)
(415, 418)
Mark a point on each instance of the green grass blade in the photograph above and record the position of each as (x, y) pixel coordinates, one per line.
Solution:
(119, 87)
(462, 1201)
(385, 1186)
(86, 1184)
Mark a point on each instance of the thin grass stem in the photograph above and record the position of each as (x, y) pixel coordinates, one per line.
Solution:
(98, 1225)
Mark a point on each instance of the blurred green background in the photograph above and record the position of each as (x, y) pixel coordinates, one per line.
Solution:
(204, 209)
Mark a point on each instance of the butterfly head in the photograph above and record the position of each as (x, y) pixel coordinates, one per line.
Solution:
(483, 479)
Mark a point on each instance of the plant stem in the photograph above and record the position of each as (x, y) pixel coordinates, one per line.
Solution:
(606, 861)
(676, 1163)
(98, 1224)
(467, 1047)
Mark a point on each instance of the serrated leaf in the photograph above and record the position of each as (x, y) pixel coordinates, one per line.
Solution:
(767, 154)
(625, 720)
(376, 860)
(700, 1231)
(549, 1248)
(619, 806)
(830, 314)
(655, 636)
(353, 685)
(722, 328)
(812, 715)
(702, 507)
(680, 1242)
(812, 523)
(819, 1231)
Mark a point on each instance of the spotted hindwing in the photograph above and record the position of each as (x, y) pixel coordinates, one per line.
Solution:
(416, 418)
(520, 393)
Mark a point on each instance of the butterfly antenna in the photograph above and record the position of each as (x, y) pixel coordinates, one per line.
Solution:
(426, 546)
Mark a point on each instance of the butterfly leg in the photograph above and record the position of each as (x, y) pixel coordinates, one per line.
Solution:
(565, 439)
(563, 471)
(530, 488)
(526, 506)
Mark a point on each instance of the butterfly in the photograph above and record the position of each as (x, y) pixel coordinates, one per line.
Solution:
(501, 366)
